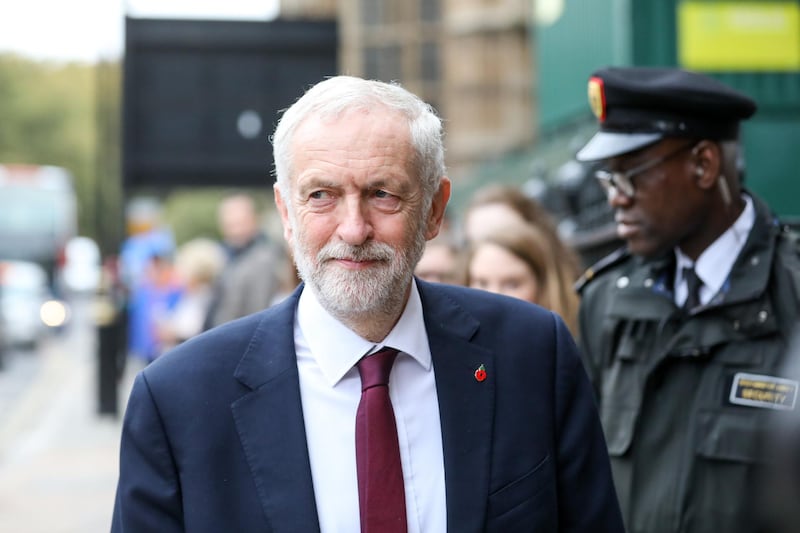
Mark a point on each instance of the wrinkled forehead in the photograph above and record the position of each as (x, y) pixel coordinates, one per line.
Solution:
(359, 134)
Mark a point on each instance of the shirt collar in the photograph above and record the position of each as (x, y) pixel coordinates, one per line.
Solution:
(715, 263)
(336, 348)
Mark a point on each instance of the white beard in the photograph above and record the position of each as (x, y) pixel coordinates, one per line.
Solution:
(347, 293)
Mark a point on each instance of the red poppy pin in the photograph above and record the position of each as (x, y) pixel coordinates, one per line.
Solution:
(480, 374)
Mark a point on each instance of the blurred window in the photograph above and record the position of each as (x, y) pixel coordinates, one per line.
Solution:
(372, 12)
(383, 63)
(430, 10)
(431, 67)
(29, 210)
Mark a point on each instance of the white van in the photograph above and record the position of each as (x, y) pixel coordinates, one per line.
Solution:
(38, 215)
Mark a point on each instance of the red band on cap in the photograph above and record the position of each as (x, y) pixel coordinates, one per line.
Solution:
(597, 98)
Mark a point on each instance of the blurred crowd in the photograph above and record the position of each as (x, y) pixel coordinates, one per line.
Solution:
(507, 243)
(175, 291)
(683, 332)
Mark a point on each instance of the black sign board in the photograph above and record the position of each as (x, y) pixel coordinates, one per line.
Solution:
(201, 97)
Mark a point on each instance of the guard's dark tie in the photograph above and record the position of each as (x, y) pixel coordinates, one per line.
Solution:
(381, 492)
(693, 284)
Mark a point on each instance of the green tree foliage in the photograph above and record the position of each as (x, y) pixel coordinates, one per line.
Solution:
(107, 186)
(191, 213)
(69, 115)
(47, 112)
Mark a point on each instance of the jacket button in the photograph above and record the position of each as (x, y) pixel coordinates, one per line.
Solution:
(762, 316)
(754, 260)
(648, 283)
(623, 282)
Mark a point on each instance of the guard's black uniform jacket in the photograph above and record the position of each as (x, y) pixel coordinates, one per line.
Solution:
(684, 398)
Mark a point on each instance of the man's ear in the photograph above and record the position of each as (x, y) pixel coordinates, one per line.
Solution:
(707, 157)
(283, 210)
(438, 206)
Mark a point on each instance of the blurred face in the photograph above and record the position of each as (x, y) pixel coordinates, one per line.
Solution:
(438, 264)
(486, 219)
(495, 269)
(353, 216)
(666, 207)
(238, 221)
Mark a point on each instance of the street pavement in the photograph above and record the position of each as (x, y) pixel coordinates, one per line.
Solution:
(58, 456)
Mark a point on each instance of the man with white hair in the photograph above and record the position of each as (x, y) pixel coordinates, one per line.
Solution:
(368, 400)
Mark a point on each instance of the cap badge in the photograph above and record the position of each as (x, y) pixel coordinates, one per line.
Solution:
(597, 98)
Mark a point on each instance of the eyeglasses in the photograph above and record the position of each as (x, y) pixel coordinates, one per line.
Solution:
(622, 182)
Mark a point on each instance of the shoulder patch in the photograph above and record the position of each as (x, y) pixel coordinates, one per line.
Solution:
(612, 259)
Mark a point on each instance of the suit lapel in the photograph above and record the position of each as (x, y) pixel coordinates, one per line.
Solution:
(466, 408)
(269, 420)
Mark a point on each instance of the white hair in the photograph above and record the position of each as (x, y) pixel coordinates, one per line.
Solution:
(332, 97)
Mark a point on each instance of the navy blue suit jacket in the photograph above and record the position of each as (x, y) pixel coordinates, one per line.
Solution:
(214, 441)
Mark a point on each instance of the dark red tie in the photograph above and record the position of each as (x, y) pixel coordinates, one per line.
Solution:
(381, 493)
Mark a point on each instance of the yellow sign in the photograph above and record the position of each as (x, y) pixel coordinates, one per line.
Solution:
(739, 36)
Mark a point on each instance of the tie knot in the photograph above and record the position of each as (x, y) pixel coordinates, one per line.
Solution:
(691, 277)
(375, 369)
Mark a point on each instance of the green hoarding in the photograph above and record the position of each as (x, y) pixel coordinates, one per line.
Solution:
(753, 46)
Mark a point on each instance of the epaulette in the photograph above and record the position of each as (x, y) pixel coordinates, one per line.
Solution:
(614, 258)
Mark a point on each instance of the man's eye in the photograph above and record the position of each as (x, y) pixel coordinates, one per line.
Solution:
(318, 195)
(382, 194)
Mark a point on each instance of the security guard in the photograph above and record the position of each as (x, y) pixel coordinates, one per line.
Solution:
(685, 330)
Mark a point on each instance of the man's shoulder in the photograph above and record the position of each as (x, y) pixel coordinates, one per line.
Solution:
(787, 256)
(460, 306)
(604, 268)
(789, 240)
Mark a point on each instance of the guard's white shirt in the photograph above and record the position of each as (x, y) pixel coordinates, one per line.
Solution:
(330, 388)
(715, 263)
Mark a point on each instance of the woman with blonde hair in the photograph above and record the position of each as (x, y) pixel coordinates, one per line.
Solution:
(198, 263)
(518, 260)
(495, 206)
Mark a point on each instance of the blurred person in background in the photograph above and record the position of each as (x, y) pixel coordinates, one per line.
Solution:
(517, 260)
(146, 237)
(255, 272)
(145, 270)
(198, 263)
(157, 294)
(496, 206)
(685, 329)
(440, 261)
(291, 278)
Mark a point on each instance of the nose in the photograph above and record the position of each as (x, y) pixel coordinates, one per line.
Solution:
(616, 199)
(354, 227)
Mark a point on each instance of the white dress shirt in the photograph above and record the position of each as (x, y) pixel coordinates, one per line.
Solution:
(330, 389)
(715, 263)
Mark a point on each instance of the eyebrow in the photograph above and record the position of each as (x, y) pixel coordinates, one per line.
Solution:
(378, 183)
(315, 182)
(382, 183)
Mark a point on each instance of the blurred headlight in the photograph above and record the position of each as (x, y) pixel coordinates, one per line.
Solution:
(54, 313)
